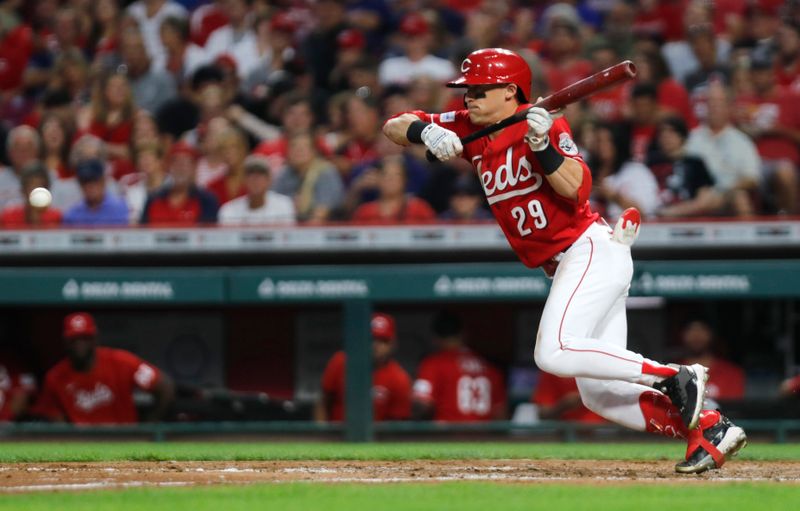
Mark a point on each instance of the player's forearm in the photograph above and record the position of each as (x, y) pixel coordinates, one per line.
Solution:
(164, 394)
(707, 201)
(395, 129)
(567, 179)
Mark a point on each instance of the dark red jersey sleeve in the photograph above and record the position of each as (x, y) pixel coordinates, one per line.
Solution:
(332, 376)
(144, 375)
(400, 395)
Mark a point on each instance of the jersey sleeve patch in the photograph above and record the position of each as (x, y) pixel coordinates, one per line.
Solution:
(567, 145)
(447, 117)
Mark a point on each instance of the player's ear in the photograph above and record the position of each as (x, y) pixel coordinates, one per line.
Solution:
(511, 91)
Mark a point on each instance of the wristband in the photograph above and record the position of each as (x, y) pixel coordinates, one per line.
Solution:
(549, 159)
(414, 131)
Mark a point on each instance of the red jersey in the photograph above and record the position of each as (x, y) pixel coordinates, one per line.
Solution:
(14, 217)
(461, 386)
(782, 108)
(414, 210)
(391, 389)
(103, 395)
(13, 383)
(537, 222)
(551, 389)
(725, 380)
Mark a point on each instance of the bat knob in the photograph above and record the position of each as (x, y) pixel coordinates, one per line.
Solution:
(431, 157)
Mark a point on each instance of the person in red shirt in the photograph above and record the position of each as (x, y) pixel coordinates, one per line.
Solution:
(454, 384)
(94, 385)
(559, 399)
(538, 186)
(771, 116)
(111, 120)
(181, 202)
(18, 216)
(16, 390)
(393, 205)
(644, 120)
(726, 380)
(391, 385)
(234, 150)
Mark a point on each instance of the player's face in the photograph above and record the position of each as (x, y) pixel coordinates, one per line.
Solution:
(81, 352)
(487, 103)
(381, 349)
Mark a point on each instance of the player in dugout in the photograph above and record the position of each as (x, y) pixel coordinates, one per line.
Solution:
(94, 385)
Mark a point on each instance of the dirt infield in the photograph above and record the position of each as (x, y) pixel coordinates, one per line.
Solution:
(32, 477)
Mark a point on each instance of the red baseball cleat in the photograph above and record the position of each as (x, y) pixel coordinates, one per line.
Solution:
(712, 443)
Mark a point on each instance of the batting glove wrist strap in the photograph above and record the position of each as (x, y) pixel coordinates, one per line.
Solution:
(414, 131)
(549, 159)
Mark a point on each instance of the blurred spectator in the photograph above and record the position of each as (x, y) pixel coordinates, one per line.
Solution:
(729, 154)
(557, 398)
(57, 35)
(95, 385)
(391, 385)
(233, 147)
(393, 205)
(211, 164)
(319, 47)
(608, 104)
(710, 68)
(71, 74)
(671, 96)
(726, 379)
(183, 57)
(279, 59)
(363, 129)
(771, 116)
(99, 207)
(105, 34)
(686, 188)
(236, 39)
(149, 15)
(787, 61)
(351, 49)
(111, 119)
(296, 116)
(180, 202)
(23, 147)
(17, 216)
(644, 117)
(417, 60)
(56, 135)
(467, 201)
(618, 182)
(310, 180)
(16, 46)
(148, 178)
(16, 390)
(205, 19)
(678, 53)
(455, 384)
(152, 86)
(260, 206)
(564, 63)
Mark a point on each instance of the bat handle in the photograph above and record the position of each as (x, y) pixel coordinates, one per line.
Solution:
(430, 156)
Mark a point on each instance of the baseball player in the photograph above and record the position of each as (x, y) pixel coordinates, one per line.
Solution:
(94, 385)
(537, 186)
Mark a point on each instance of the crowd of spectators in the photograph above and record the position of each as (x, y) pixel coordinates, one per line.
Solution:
(189, 112)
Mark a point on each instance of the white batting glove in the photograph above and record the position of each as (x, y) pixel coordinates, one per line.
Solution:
(443, 143)
(539, 123)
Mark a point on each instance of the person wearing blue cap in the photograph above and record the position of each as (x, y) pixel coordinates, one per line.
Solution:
(98, 207)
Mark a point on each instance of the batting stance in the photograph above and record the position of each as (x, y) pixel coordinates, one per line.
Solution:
(538, 188)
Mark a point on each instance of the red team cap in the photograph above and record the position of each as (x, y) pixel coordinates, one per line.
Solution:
(351, 39)
(414, 24)
(494, 66)
(79, 324)
(282, 22)
(382, 326)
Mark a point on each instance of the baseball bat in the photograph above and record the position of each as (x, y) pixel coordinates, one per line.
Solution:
(601, 80)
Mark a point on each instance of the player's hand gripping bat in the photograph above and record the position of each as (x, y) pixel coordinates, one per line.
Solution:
(602, 80)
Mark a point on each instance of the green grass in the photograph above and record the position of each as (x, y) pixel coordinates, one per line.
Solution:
(412, 497)
(180, 451)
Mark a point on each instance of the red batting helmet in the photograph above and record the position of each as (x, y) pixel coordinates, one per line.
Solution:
(79, 324)
(495, 65)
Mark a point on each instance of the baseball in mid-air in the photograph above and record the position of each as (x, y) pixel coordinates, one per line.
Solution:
(40, 197)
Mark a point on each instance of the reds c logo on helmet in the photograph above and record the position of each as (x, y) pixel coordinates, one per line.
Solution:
(495, 66)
